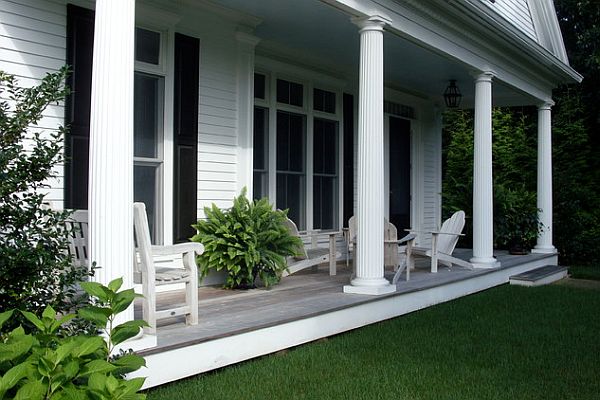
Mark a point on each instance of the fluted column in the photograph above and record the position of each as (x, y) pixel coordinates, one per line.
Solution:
(483, 211)
(111, 143)
(544, 179)
(369, 261)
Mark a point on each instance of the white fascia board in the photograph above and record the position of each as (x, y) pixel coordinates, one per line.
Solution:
(443, 28)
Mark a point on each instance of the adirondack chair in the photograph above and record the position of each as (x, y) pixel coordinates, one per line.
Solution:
(443, 243)
(152, 276)
(391, 252)
(314, 255)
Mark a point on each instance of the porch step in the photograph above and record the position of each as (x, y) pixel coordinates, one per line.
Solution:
(539, 276)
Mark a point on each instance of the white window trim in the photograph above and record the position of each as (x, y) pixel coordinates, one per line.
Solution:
(165, 170)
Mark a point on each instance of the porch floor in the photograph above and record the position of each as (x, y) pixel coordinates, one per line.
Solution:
(224, 313)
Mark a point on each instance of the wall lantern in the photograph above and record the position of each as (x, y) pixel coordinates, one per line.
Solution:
(452, 95)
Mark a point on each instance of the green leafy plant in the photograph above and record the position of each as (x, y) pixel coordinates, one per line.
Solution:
(516, 222)
(249, 240)
(35, 268)
(45, 365)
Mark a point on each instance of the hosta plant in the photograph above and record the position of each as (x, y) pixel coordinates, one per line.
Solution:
(45, 365)
(248, 241)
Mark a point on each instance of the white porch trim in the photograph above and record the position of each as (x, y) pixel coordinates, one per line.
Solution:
(370, 211)
(544, 179)
(483, 211)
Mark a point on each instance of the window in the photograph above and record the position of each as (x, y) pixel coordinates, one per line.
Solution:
(259, 86)
(325, 176)
(304, 124)
(261, 153)
(290, 93)
(324, 101)
(148, 127)
(291, 184)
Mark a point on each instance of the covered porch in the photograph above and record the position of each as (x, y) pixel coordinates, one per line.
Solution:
(395, 62)
(238, 325)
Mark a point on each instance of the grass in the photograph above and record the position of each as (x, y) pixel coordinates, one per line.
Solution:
(506, 343)
(591, 272)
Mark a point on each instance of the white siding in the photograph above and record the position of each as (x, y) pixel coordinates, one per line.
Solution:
(517, 12)
(217, 123)
(32, 43)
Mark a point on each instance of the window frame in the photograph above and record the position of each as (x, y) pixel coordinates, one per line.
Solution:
(310, 80)
(164, 186)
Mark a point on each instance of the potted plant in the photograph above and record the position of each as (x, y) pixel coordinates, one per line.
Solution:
(249, 241)
(516, 221)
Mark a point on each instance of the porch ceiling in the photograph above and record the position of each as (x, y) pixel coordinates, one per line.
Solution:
(323, 36)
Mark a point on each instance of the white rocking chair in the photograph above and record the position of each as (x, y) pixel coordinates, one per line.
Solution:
(314, 255)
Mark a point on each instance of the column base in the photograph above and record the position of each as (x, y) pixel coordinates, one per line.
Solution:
(485, 262)
(544, 249)
(373, 287)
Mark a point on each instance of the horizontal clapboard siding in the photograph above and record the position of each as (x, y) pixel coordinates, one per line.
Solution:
(517, 12)
(217, 124)
(32, 44)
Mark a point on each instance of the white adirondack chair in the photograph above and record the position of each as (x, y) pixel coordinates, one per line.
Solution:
(443, 243)
(314, 255)
(391, 253)
(152, 276)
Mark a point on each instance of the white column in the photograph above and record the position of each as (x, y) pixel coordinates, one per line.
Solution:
(369, 277)
(544, 179)
(483, 211)
(111, 144)
(245, 82)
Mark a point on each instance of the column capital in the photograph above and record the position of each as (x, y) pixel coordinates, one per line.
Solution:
(247, 38)
(371, 23)
(546, 105)
(483, 76)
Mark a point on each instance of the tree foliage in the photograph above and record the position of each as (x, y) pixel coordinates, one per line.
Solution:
(35, 268)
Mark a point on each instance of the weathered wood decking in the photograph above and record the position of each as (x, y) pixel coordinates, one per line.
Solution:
(225, 313)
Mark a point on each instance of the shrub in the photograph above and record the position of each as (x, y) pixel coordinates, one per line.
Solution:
(516, 222)
(249, 240)
(35, 269)
(45, 365)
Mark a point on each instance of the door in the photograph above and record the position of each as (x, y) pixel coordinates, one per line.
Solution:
(399, 173)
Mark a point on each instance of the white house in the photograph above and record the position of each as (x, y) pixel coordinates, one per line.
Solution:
(328, 107)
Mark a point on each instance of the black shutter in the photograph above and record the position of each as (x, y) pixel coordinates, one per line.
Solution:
(185, 182)
(348, 157)
(80, 47)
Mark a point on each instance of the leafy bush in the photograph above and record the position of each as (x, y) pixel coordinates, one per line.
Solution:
(35, 269)
(45, 365)
(516, 222)
(249, 240)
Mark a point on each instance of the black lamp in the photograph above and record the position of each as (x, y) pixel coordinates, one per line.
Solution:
(452, 95)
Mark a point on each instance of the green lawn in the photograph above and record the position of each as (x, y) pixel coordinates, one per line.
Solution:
(506, 343)
(585, 272)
